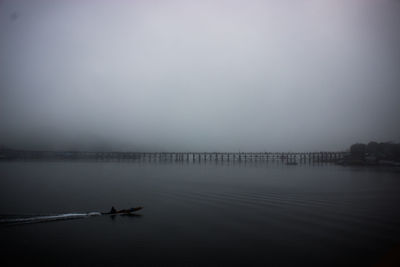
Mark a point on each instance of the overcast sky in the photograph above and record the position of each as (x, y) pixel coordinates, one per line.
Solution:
(304, 75)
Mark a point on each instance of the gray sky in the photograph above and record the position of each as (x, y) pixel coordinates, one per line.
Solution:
(249, 75)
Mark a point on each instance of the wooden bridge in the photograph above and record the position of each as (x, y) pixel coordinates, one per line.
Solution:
(289, 157)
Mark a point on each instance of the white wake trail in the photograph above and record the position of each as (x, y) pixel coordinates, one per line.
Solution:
(38, 219)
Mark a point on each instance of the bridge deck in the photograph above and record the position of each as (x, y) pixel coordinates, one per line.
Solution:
(178, 156)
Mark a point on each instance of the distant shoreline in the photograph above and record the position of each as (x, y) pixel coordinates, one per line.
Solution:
(372, 154)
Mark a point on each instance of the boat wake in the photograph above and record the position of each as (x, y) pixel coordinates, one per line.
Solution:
(45, 218)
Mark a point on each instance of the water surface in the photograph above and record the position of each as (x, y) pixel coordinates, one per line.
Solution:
(199, 214)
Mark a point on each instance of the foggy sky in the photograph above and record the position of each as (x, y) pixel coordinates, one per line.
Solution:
(216, 75)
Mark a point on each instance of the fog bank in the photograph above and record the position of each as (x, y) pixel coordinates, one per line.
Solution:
(219, 75)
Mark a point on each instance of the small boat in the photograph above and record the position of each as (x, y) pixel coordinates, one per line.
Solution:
(113, 211)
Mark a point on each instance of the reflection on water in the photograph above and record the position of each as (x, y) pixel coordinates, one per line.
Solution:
(207, 214)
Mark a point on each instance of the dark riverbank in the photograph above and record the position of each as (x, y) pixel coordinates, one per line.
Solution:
(373, 154)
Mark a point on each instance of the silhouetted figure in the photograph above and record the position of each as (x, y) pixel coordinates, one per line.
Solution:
(114, 211)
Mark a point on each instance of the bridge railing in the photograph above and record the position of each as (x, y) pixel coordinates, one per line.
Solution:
(290, 157)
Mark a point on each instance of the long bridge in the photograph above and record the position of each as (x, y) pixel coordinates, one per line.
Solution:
(289, 157)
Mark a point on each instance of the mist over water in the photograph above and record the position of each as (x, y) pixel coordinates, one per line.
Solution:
(198, 75)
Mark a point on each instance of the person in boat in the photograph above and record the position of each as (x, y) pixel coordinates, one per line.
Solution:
(115, 211)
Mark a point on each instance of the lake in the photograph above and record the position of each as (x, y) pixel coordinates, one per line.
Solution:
(199, 214)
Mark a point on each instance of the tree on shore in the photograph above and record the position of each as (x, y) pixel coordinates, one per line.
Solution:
(358, 151)
(381, 151)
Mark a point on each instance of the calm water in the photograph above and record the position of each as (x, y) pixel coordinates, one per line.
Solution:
(197, 214)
